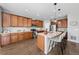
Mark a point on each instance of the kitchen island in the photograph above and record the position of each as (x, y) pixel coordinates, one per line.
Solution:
(45, 40)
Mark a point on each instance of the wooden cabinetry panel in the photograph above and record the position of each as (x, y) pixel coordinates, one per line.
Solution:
(20, 21)
(62, 23)
(5, 40)
(34, 22)
(25, 35)
(37, 23)
(28, 35)
(20, 36)
(40, 23)
(40, 42)
(13, 20)
(29, 22)
(25, 22)
(6, 19)
(14, 37)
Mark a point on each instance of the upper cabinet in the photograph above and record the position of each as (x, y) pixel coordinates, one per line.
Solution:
(37, 23)
(62, 23)
(25, 22)
(14, 20)
(20, 21)
(29, 22)
(40, 23)
(6, 19)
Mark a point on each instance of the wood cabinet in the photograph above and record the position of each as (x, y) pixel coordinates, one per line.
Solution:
(6, 19)
(62, 23)
(27, 35)
(25, 22)
(33, 23)
(40, 23)
(37, 23)
(20, 36)
(29, 22)
(40, 42)
(14, 37)
(5, 40)
(13, 20)
(20, 21)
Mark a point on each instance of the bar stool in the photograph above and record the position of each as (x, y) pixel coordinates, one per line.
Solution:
(59, 42)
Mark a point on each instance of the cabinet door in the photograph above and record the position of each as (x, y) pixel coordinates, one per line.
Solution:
(29, 22)
(33, 22)
(13, 20)
(20, 36)
(6, 19)
(40, 42)
(25, 21)
(37, 23)
(29, 35)
(5, 40)
(62, 23)
(41, 23)
(25, 35)
(14, 38)
(20, 21)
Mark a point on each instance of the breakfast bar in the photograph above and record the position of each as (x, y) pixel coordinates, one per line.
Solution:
(46, 41)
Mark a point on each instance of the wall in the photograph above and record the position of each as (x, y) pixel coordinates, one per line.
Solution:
(72, 10)
(0, 20)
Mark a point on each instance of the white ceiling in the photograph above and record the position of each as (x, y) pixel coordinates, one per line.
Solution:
(42, 11)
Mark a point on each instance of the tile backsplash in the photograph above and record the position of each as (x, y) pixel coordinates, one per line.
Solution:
(19, 29)
(15, 29)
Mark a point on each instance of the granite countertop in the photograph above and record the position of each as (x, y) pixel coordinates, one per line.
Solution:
(7, 33)
(50, 34)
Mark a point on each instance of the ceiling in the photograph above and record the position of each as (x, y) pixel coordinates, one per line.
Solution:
(42, 11)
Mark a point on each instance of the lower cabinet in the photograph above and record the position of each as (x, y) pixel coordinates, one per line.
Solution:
(14, 37)
(20, 36)
(27, 35)
(5, 40)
